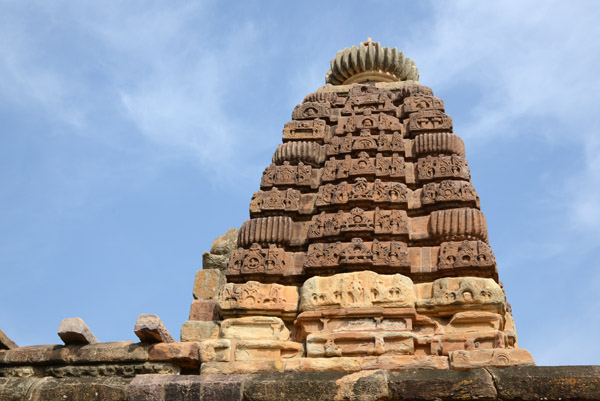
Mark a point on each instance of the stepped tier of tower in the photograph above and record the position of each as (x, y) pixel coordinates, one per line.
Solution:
(365, 248)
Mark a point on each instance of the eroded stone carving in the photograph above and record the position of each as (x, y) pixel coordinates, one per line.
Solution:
(311, 111)
(254, 298)
(285, 200)
(256, 260)
(448, 191)
(416, 104)
(446, 295)
(435, 167)
(429, 121)
(364, 166)
(365, 99)
(357, 290)
(466, 254)
(286, 174)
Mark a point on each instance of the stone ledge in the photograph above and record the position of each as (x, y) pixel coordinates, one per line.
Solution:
(513, 383)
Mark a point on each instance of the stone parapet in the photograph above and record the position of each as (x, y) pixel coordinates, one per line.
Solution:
(549, 383)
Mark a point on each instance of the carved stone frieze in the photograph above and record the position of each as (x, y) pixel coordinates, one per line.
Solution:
(311, 111)
(299, 130)
(364, 99)
(357, 290)
(322, 97)
(254, 298)
(428, 121)
(360, 344)
(349, 143)
(256, 260)
(466, 254)
(287, 175)
(357, 221)
(416, 104)
(368, 124)
(447, 295)
(275, 200)
(457, 224)
(265, 231)
(412, 90)
(392, 255)
(464, 360)
(448, 191)
(364, 166)
(439, 143)
(355, 319)
(436, 167)
(125, 370)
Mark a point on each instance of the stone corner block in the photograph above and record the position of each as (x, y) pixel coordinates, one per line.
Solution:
(150, 329)
(208, 283)
(75, 331)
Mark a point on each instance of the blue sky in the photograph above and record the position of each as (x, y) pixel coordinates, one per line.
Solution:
(133, 133)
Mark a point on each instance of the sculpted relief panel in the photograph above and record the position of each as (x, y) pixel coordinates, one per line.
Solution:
(357, 290)
(393, 254)
(392, 222)
(361, 190)
(254, 298)
(363, 166)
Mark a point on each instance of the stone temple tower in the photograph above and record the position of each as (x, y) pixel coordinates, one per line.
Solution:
(365, 248)
(364, 272)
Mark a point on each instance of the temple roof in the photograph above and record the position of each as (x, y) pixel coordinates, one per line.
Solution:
(370, 62)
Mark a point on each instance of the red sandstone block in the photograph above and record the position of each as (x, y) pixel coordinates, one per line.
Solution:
(204, 310)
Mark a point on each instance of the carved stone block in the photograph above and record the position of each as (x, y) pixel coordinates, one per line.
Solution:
(474, 321)
(466, 254)
(448, 191)
(415, 104)
(363, 166)
(359, 222)
(329, 98)
(360, 344)
(363, 99)
(393, 254)
(446, 296)
(362, 192)
(368, 124)
(252, 350)
(287, 175)
(258, 261)
(471, 340)
(357, 290)
(301, 130)
(299, 152)
(255, 328)
(355, 319)
(311, 111)
(412, 90)
(438, 167)
(275, 200)
(457, 224)
(429, 121)
(265, 231)
(439, 143)
(496, 357)
(254, 298)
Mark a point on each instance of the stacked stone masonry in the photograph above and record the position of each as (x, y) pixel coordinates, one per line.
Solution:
(365, 247)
